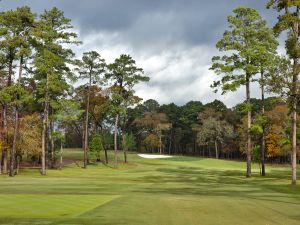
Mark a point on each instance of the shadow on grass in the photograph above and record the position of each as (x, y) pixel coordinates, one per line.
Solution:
(231, 183)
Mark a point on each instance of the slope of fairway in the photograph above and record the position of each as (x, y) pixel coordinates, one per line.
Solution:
(178, 190)
(49, 206)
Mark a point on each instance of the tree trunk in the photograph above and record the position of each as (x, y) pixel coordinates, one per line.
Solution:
(125, 156)
(125, 150)
(262, 146)
(5, 109)
(13, 148)
(294, 144)
(86, 130)
(83, 138)
(5, 138)
(160, 144)
(45, 127)
(248, 173)
(262, 154)
(216, 147)
(294, 122)
(16, 127)
(61, 156)
(116, 140)
(106, 158)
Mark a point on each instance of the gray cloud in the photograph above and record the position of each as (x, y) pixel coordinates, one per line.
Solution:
(173, 40)
(192, 21)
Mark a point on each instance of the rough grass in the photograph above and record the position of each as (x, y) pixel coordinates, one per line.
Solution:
(179, 190)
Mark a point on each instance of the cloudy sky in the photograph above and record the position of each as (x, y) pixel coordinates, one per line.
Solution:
(172, 40)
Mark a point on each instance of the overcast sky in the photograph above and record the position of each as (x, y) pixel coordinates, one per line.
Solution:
(172, 40)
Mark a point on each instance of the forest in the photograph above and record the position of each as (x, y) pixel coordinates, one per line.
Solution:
(52, 99)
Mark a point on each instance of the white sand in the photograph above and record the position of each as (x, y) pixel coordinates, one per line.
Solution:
(148, 156)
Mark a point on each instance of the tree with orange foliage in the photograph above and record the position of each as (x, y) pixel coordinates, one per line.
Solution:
(277, 131)
(273, 141)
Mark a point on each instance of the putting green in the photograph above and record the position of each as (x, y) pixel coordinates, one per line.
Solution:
(49, 206)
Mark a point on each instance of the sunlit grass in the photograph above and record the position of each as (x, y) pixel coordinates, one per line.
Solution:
(49, 205)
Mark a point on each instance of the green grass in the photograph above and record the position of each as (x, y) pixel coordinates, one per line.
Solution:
(49, 205)
(179, 190)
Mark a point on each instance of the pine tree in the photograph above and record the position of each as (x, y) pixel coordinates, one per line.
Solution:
(51, 64)
(242, 43)
(124, 75)
(91, 67)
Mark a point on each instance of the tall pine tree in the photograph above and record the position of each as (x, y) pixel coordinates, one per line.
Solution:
(91, 67)
(124, 75)
(51, 62)
(243, 44)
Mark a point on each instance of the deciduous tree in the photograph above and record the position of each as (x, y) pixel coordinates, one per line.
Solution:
(212, 129)
(155, 123)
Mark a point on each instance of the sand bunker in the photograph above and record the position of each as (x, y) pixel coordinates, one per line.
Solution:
(148, 156)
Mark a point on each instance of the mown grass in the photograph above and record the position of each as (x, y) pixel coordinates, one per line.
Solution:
(179, 190)
(49, 205)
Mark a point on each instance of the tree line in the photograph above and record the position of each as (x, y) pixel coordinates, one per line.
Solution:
(208, 130)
